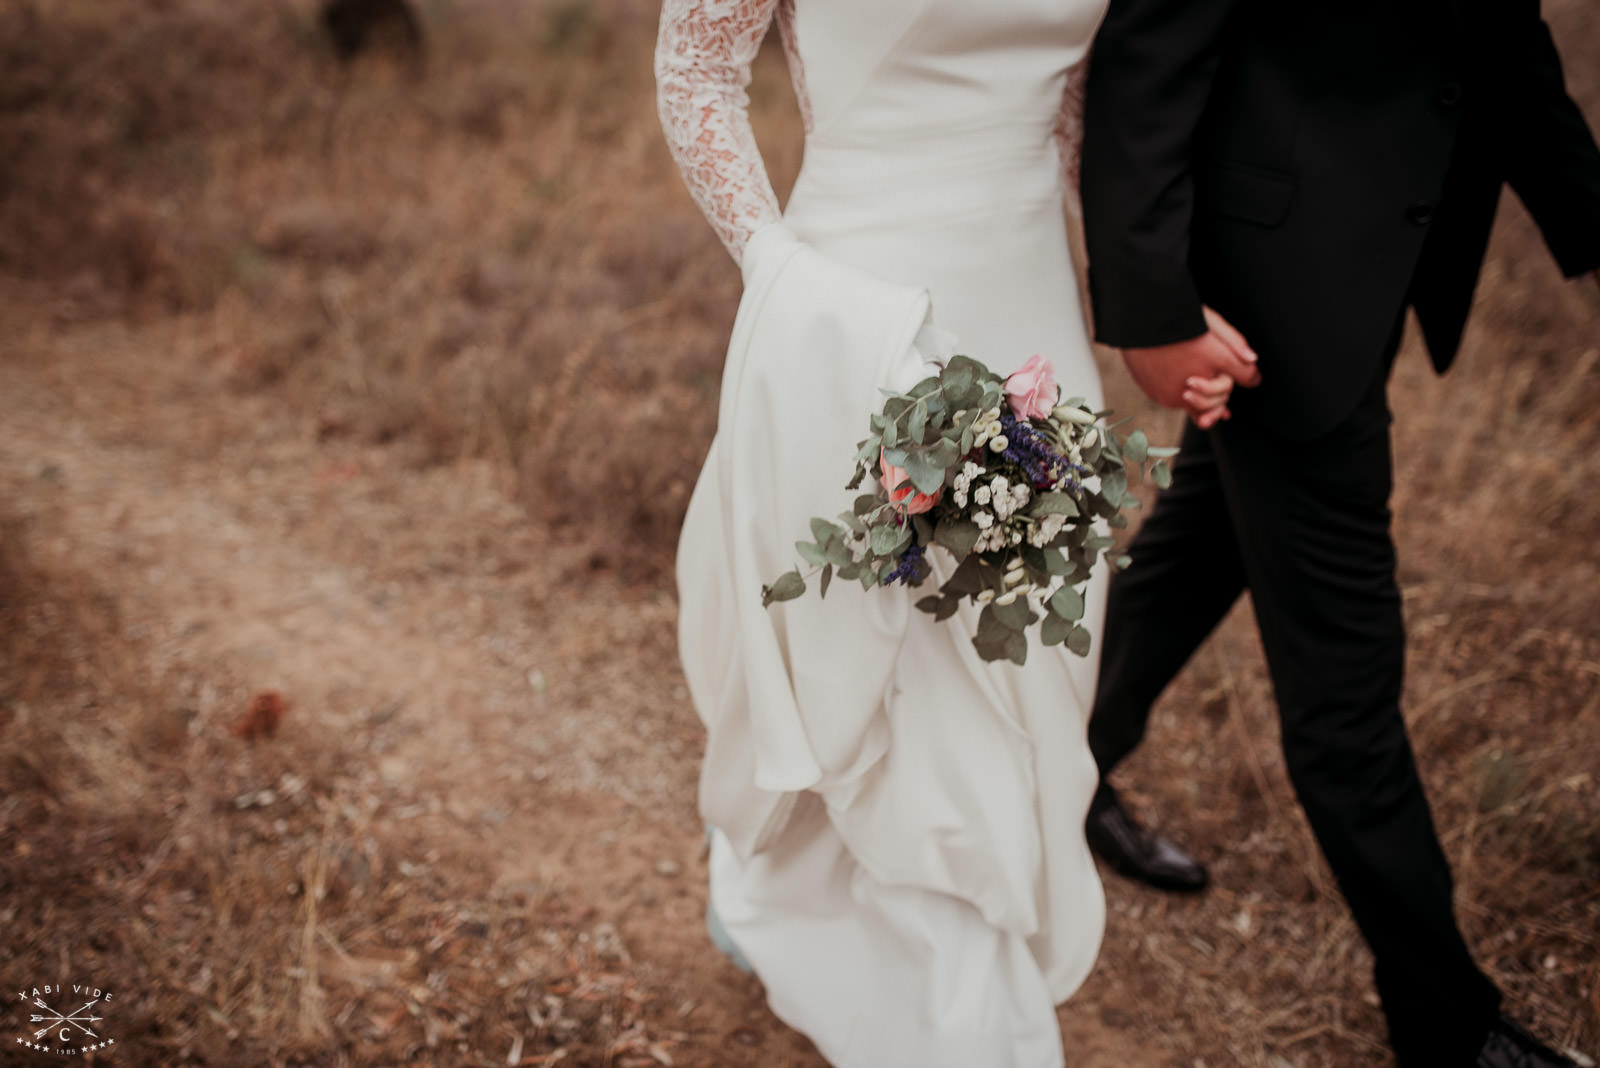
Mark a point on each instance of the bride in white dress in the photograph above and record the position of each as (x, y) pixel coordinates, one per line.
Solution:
(898, 844)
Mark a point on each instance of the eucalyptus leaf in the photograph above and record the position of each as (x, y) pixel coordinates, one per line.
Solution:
(967, 395)
(1054, 629)
(822, 530)
(1078, 572)
(957, 535)
(787, 587)
(888, 540)
(928, 478)
(827, 577)
(1161, 474)
(1056, 562)
(918, 423)
(1054, 503)
(837, 553)
(1067, 604)
(958, 373)
(945, 453)
(1015, 615)
(811, 554)
(1114, 487)
(990, 626)
(966, 580)
(1078, 641)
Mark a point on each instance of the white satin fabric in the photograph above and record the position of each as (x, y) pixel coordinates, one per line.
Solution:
(899, 843)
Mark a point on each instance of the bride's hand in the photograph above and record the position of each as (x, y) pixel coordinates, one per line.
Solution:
(1206, 400)
(1197, 375)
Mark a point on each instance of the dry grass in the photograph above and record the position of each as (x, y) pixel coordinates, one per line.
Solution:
(433, 272)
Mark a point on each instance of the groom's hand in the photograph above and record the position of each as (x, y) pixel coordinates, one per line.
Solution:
(1199, 374)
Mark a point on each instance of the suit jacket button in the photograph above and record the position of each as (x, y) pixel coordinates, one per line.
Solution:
(1420, 213)
(1450, 94)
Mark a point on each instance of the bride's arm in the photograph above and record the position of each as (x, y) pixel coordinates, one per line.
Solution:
(703, 55)
(1069, 134)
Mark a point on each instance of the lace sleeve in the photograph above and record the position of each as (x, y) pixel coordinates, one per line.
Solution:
(703, 55)
(1069, 134)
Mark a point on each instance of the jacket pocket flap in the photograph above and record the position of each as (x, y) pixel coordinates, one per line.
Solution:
(1253, 194)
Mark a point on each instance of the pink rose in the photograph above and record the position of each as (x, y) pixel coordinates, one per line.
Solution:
(1032, 391)
(902, 492)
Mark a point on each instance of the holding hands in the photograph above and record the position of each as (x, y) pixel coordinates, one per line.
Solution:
(1197, 375)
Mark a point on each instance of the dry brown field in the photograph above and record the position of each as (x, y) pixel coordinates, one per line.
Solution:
(381, 390)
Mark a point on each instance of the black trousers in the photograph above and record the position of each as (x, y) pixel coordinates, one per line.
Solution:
(1304, 526)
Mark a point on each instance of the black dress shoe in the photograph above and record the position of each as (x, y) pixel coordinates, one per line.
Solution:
(1136, 853)
(1509, 1046)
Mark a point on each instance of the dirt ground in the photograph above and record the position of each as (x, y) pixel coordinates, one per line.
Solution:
(287, 407)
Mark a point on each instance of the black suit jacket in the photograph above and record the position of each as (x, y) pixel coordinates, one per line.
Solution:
(1306, 169)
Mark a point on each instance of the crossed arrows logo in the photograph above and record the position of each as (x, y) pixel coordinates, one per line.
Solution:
(64, 1034)
(78, 1019)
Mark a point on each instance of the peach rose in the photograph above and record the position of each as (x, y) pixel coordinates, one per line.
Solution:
(902, 493)
(1031, 391)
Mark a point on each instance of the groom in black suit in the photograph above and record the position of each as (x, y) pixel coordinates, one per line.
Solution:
(1305, 173)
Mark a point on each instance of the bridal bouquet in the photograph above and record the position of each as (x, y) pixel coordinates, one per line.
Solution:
(1004, 477)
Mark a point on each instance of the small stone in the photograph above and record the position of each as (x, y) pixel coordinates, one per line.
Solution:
(668, 868)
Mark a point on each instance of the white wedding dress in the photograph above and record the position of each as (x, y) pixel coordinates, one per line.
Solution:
(898, 841)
